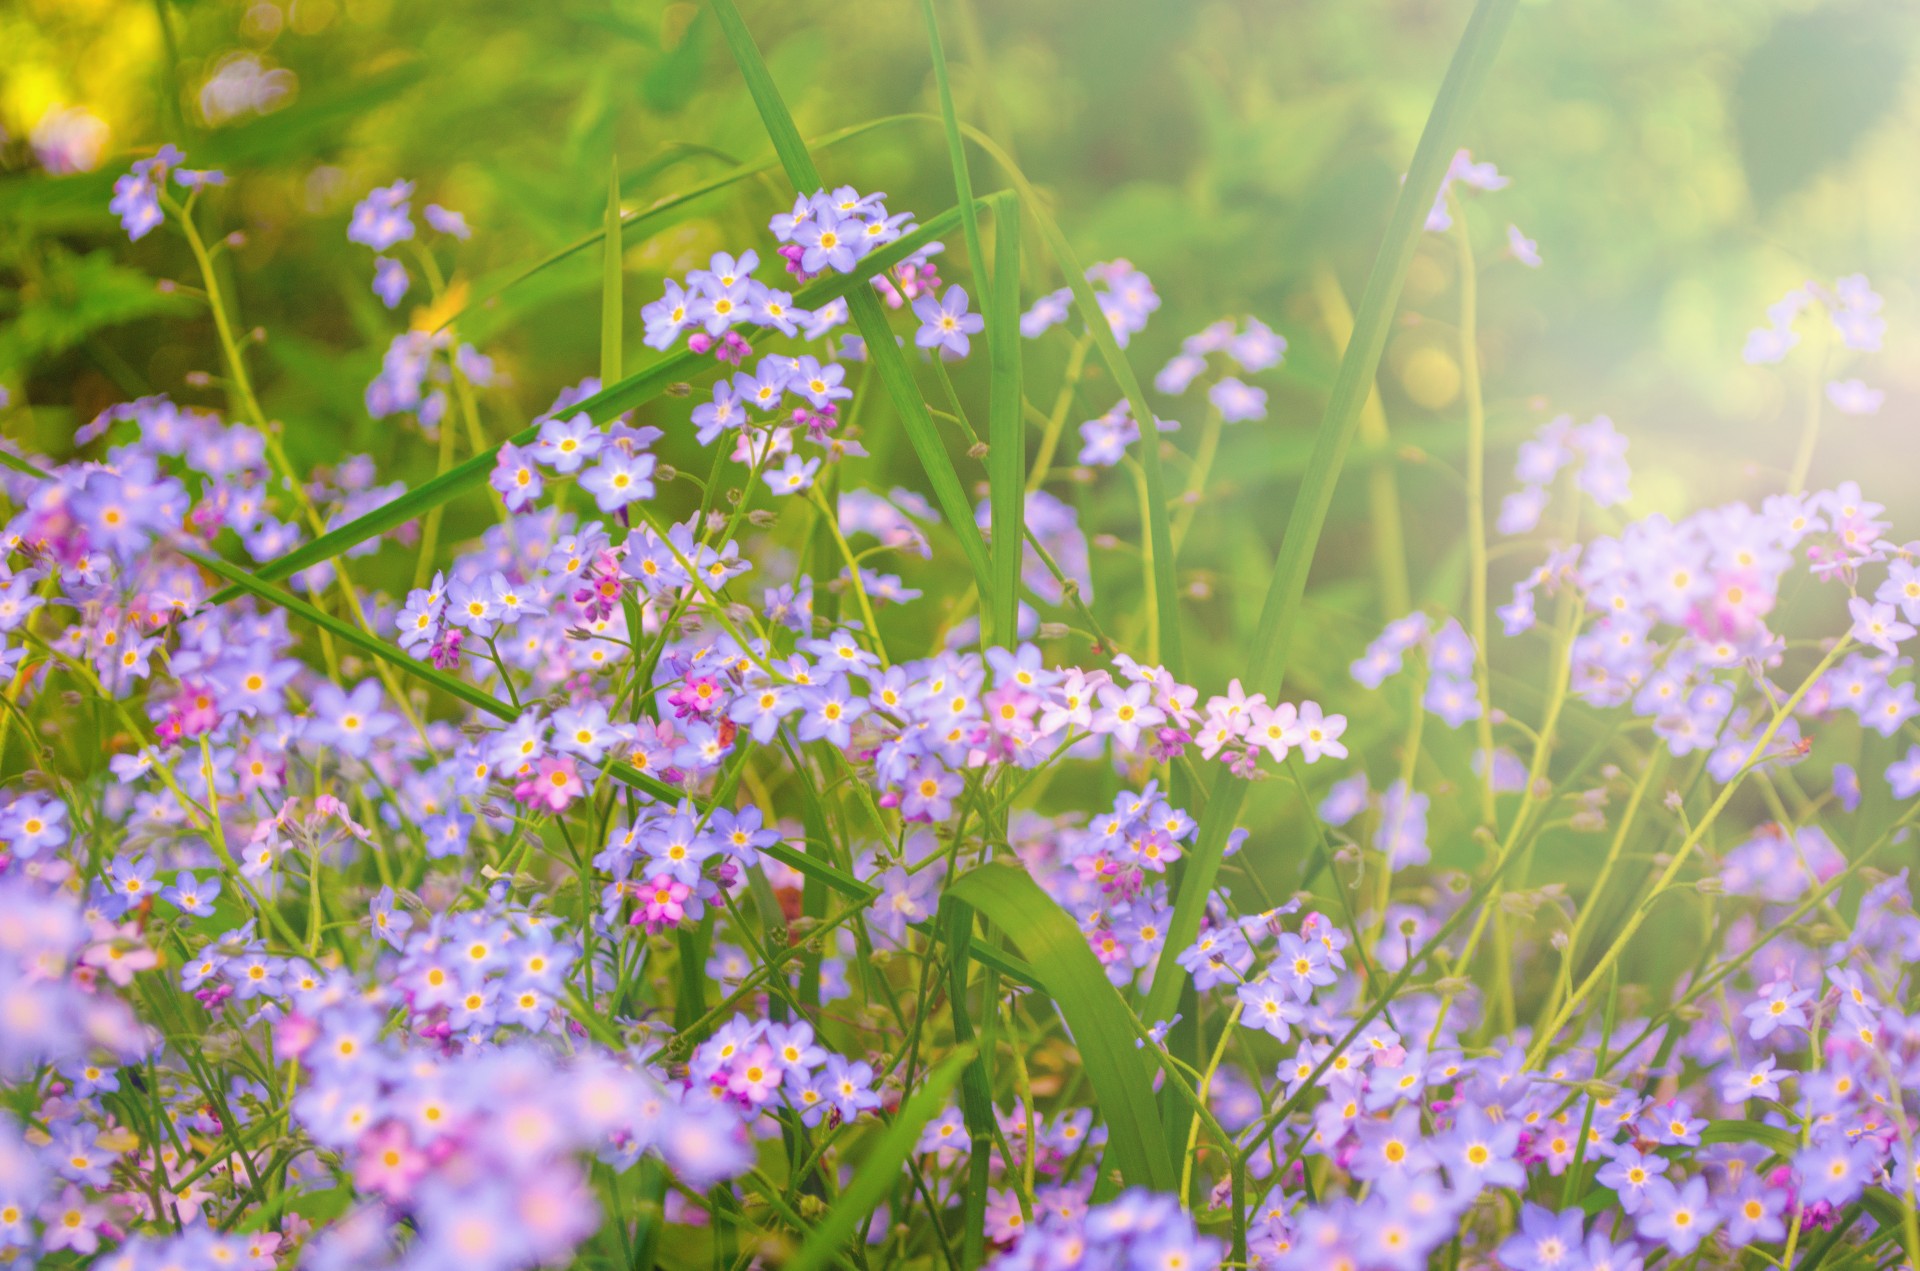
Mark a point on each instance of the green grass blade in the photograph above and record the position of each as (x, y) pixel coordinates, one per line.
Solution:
(347, 633)
(884, 355)
(1166, 597)
(1166, 600)
(611, 306)
(955, 919)
(663, 207)
(788, 146)
(956, 150)
(1267, 660)
(1006, 428)
(1101, 1024)
(881, 1170)
(10, 460)
(635, 390)
(1776, 1139)
(1001, 591)
(865, 893)
(890, 364)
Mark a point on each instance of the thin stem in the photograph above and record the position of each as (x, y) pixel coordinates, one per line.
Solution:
(1057, 417)
(1383, 482)
(1680, 855)
(1810, 432)
(1476, 502)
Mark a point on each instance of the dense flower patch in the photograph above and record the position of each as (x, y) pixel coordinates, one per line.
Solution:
(627, 892)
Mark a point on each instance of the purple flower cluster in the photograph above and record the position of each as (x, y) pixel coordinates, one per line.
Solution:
(383, 220)
(1252, 347)
(603, 877)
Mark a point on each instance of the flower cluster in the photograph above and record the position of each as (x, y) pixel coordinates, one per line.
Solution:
(383, 220)
(1252, 347)
(593, 889)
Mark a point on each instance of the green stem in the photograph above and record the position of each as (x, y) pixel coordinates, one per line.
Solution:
(1810, 433)
(1476, 501)
(1680, 855)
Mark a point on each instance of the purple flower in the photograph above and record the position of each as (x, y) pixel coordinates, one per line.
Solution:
(1317, 735)
(1257, 347)
(829, 243)
(1269, 1007)
(448, 221)
(1477, 1153)
(1903, 774)
(350, 722)
(383, 217)
(565, 444)
(516, 477)
(793, 476)
(1178, 374)
(191, 895)
(667, 317)
(828, 712)
(945, 324)
(1875, 623)
(1780, 1006)
(1753, 1213)
(390, 280)
(1834, 1170)
(1679, 1217)
(136, 196)
(619, 479)
(1851, 397)
(1521, 248)
(1546, 1241)
(1629, 1174)
(1453, 699)
(1048, 311)
(1237, 401)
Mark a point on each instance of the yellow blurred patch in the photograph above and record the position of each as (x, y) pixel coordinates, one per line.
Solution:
(1431, 377)
(452, 301)
(119, 1139)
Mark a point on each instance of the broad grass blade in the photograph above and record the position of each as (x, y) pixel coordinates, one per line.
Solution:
(1097, 1016)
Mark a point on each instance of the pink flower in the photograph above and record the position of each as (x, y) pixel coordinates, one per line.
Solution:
(555, 784)
(663, 903)
(387, 1162)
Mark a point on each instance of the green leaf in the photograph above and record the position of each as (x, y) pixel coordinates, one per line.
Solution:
(1006, 429)
(611, 306)
(1267, 659)
(1776, 1139)
(881, 1170)
(1101, 1024)
(884, 355)
(72, 297)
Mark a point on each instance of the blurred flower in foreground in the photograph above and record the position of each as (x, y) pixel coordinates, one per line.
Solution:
(243, 85)
(69, 139)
